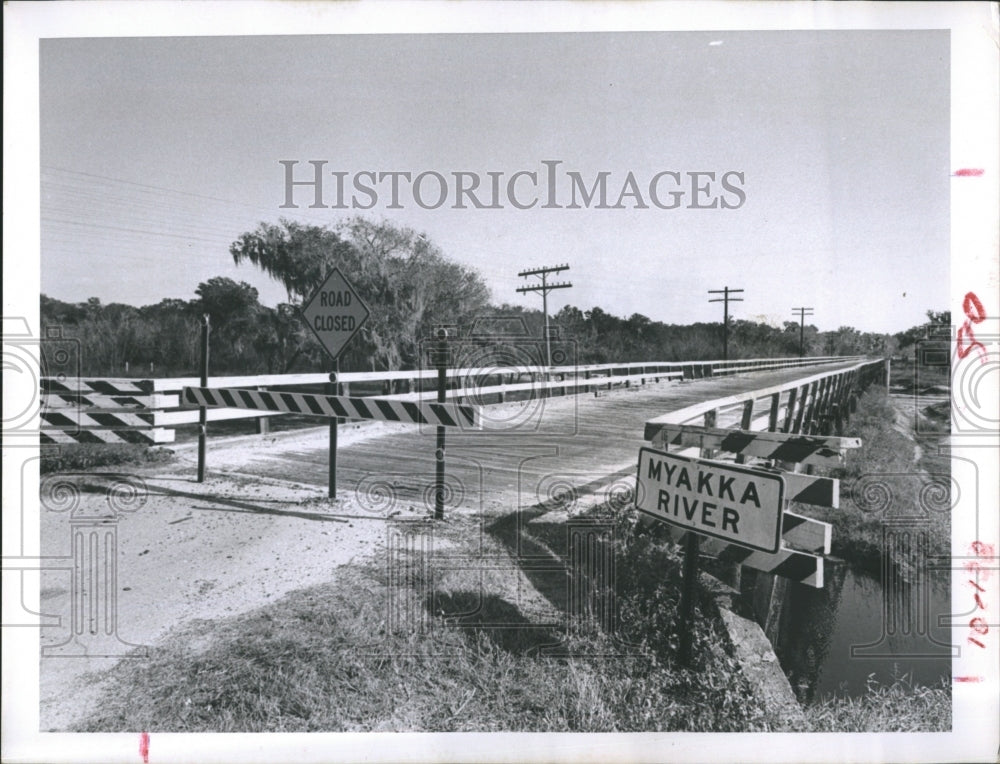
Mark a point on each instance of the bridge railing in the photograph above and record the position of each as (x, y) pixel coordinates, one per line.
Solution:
(817, 404)
(147, 410)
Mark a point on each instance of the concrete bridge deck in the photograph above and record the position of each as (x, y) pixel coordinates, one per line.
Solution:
(524, 451)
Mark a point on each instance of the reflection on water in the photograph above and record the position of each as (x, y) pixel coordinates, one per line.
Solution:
(833, 638)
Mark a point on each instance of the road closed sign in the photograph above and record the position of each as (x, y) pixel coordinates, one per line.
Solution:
(335, 313)
(737, 504)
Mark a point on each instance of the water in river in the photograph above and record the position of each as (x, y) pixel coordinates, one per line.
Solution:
(833, 639)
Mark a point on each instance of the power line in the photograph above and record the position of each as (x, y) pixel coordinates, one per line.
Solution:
(725, 299)
(158, 189)
(803, 312)
(544, 288)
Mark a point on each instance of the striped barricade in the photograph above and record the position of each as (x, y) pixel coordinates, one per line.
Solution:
(101, 411)
(809, 489)
(826, 451)
(101, 427)
(75, 386)
(804, 534)
(792, 564)
(64, 435)
(416, 412)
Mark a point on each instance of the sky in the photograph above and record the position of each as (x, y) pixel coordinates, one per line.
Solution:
(157, 153)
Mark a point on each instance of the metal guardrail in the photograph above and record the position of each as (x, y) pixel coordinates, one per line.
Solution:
(113, 410)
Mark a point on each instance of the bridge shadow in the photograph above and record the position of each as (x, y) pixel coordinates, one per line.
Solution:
(494, 619)
(544, 549)
(414, 496)
(234, 505)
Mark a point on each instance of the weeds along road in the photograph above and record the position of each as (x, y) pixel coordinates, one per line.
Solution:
(261, 524)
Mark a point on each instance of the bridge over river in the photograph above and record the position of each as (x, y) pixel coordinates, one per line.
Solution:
(524, 450)
(170, 549)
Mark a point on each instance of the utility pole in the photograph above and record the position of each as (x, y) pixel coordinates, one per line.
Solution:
(803, 312)
(545, 287)
(725, 299)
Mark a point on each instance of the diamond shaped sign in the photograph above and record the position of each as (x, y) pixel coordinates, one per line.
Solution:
(335, 313)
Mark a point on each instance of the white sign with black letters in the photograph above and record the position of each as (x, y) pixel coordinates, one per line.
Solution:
(737, 504)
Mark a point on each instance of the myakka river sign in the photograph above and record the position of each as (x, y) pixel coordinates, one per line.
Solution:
(335, 313)
(737, 504)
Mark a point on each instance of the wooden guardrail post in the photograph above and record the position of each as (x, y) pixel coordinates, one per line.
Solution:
(262, 424)
(852, 394)
(790, 410)
(802, 418)
(845, 398)
(817, 409)
(442, 376)
(796, 424)
(815, 391)
(772, 416)
(828, 395)
(845, 403)
(840, 407)
(834, 415)
(826, 412)
(776, 588)
(202, 410)
(745, 419)
(332, 388)
(735, 569)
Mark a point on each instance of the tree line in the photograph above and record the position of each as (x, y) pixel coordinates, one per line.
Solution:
(410, 287)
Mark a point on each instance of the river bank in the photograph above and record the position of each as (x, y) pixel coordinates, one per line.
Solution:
(873, 630)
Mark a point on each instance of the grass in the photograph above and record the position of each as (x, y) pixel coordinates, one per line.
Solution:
(85, 456)
(476, 657)
(327, 659)
(882, 480)
(899, 707)
(910, 377)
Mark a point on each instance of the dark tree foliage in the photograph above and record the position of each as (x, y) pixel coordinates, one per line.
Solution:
(929, 342)
(406, 281)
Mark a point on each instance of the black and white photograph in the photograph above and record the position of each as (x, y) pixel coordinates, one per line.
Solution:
(393, 381)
